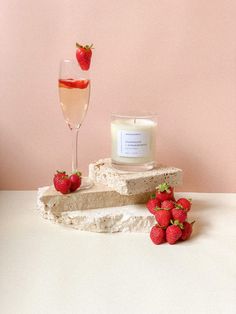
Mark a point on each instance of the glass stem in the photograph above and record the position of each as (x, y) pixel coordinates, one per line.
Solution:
(74, 150)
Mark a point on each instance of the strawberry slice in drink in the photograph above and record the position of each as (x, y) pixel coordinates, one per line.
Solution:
(81, 84)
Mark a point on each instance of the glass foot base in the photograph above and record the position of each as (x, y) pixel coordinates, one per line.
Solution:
(133, 167)
(86, 183)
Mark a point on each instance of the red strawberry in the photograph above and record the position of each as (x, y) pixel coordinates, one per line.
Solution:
(83, 55)
(187, 230)
(81, 84)
(62, 183)
(184, 203)
(57, 176)
(152, 204)
(167, 204)
(179, 214)
(157, 235)
(164, 192)
(173, 234)
(75, 180)
(163, 217)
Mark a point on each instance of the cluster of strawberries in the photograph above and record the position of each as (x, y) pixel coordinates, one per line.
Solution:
(170, 215)
(66, 184)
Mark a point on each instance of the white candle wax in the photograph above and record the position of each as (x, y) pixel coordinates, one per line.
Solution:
(133, 140)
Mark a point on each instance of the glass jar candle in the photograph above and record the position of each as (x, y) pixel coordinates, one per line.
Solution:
(133, 142)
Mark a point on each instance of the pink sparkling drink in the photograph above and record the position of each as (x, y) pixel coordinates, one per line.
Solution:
(74, 100)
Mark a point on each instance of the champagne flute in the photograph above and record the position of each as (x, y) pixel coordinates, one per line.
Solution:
(74, 92)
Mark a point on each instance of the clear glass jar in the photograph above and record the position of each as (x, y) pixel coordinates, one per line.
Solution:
(133, 142)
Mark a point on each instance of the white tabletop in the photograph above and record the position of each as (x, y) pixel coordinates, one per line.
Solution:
(46, 268)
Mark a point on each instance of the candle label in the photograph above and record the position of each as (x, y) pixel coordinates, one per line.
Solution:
(133, 143)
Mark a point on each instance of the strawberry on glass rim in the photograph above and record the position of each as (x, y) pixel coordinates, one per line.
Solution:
(83, 56)
(70, 83)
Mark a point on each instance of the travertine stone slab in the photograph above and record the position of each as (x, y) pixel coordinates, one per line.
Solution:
(131, 183)
(99, 196)
(68, 210)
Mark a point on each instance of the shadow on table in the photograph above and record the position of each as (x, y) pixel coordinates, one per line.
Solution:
(199, 215)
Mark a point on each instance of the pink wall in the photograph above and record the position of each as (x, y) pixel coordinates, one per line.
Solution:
(174, 57)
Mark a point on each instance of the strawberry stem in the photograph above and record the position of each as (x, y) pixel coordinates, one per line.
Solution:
(87, 47)
(179, 206)
(163, 187)
(61, 172)
(77, 172)
(78, 45)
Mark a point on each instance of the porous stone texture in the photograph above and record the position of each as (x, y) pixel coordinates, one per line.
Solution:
(132, 183)
(67, 210)
(98, 196)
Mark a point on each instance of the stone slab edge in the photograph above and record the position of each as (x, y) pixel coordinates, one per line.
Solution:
(131, 183)
(99, 196)
(130, 218)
